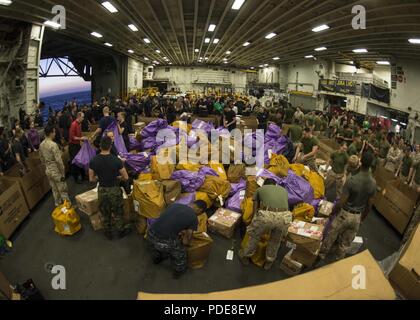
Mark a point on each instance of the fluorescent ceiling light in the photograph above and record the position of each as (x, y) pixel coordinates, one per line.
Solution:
(146, 59)
(246, 44)
(212, 27)
(157, 51)
(206, 58)
(320, 28)
(321, 49)
(109, 6)
(146, 40)
(383, 117)
(216, 41)
(224, 59)
(404, 124)
(266, 65)
(207, 40)
(414, 41)
(155, 62)
(360, 51)
(108, 44)
(394, 120)
(133, 27)
(197, 50)
(96, 35)
(237, 4)
(252, 68)
(270, 35)
(5, 2)
(130, 51)
(383, 63)
(51, 24)
(309, 57)
(351, 62)
(261, 66)
(225, 62)
(228, 52)
(276, 58)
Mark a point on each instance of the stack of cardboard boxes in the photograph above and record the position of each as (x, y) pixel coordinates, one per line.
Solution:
(304, 239)
(406, 274)
(395, 200)
(88, 204)
(224, 222)
(20, 193)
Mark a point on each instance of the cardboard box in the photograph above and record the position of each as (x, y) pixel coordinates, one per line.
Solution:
(290, 266)
(96, 221)
(34, 184)
(305, 257)
(224, 222)
(88, 202)
(306, 235)
(130, 214)
(396, 202)
(332, 282)
(199, 250)
(406, 273)
(325, 209)
(13, 207)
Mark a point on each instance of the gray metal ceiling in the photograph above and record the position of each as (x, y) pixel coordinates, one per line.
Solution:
(178, 27)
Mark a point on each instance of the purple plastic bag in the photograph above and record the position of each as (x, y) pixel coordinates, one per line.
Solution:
(205, 126)
(186, 199)
(152, 129)
(148, 143)
(236, 187)
(235, 201)
(190, 181)
(207, 171)
(118, 139)
(273, 132)
(34, 138)
(85, 155)
(264, 173)
(138, 162)
(300, 191)
(278, 147)
(135, 144)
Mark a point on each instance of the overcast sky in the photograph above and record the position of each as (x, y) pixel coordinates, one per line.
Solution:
(60, 85)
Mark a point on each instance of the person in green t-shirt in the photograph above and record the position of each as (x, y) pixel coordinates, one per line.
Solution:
(317, 123)
(338, 162)
(383, 149)
(356, 147)
(295, 133)
(307, 150)
(309, 120)
(288, 115)
(346, 135)
(405, 166)
(415, 182)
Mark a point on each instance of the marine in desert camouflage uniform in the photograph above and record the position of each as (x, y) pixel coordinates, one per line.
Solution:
(353, 207)
(51, 157)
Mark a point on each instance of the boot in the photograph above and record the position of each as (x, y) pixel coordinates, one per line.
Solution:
(178, 274)
(268, 265)
(245, 261)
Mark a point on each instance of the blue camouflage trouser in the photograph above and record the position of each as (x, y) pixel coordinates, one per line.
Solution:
(164, 248)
